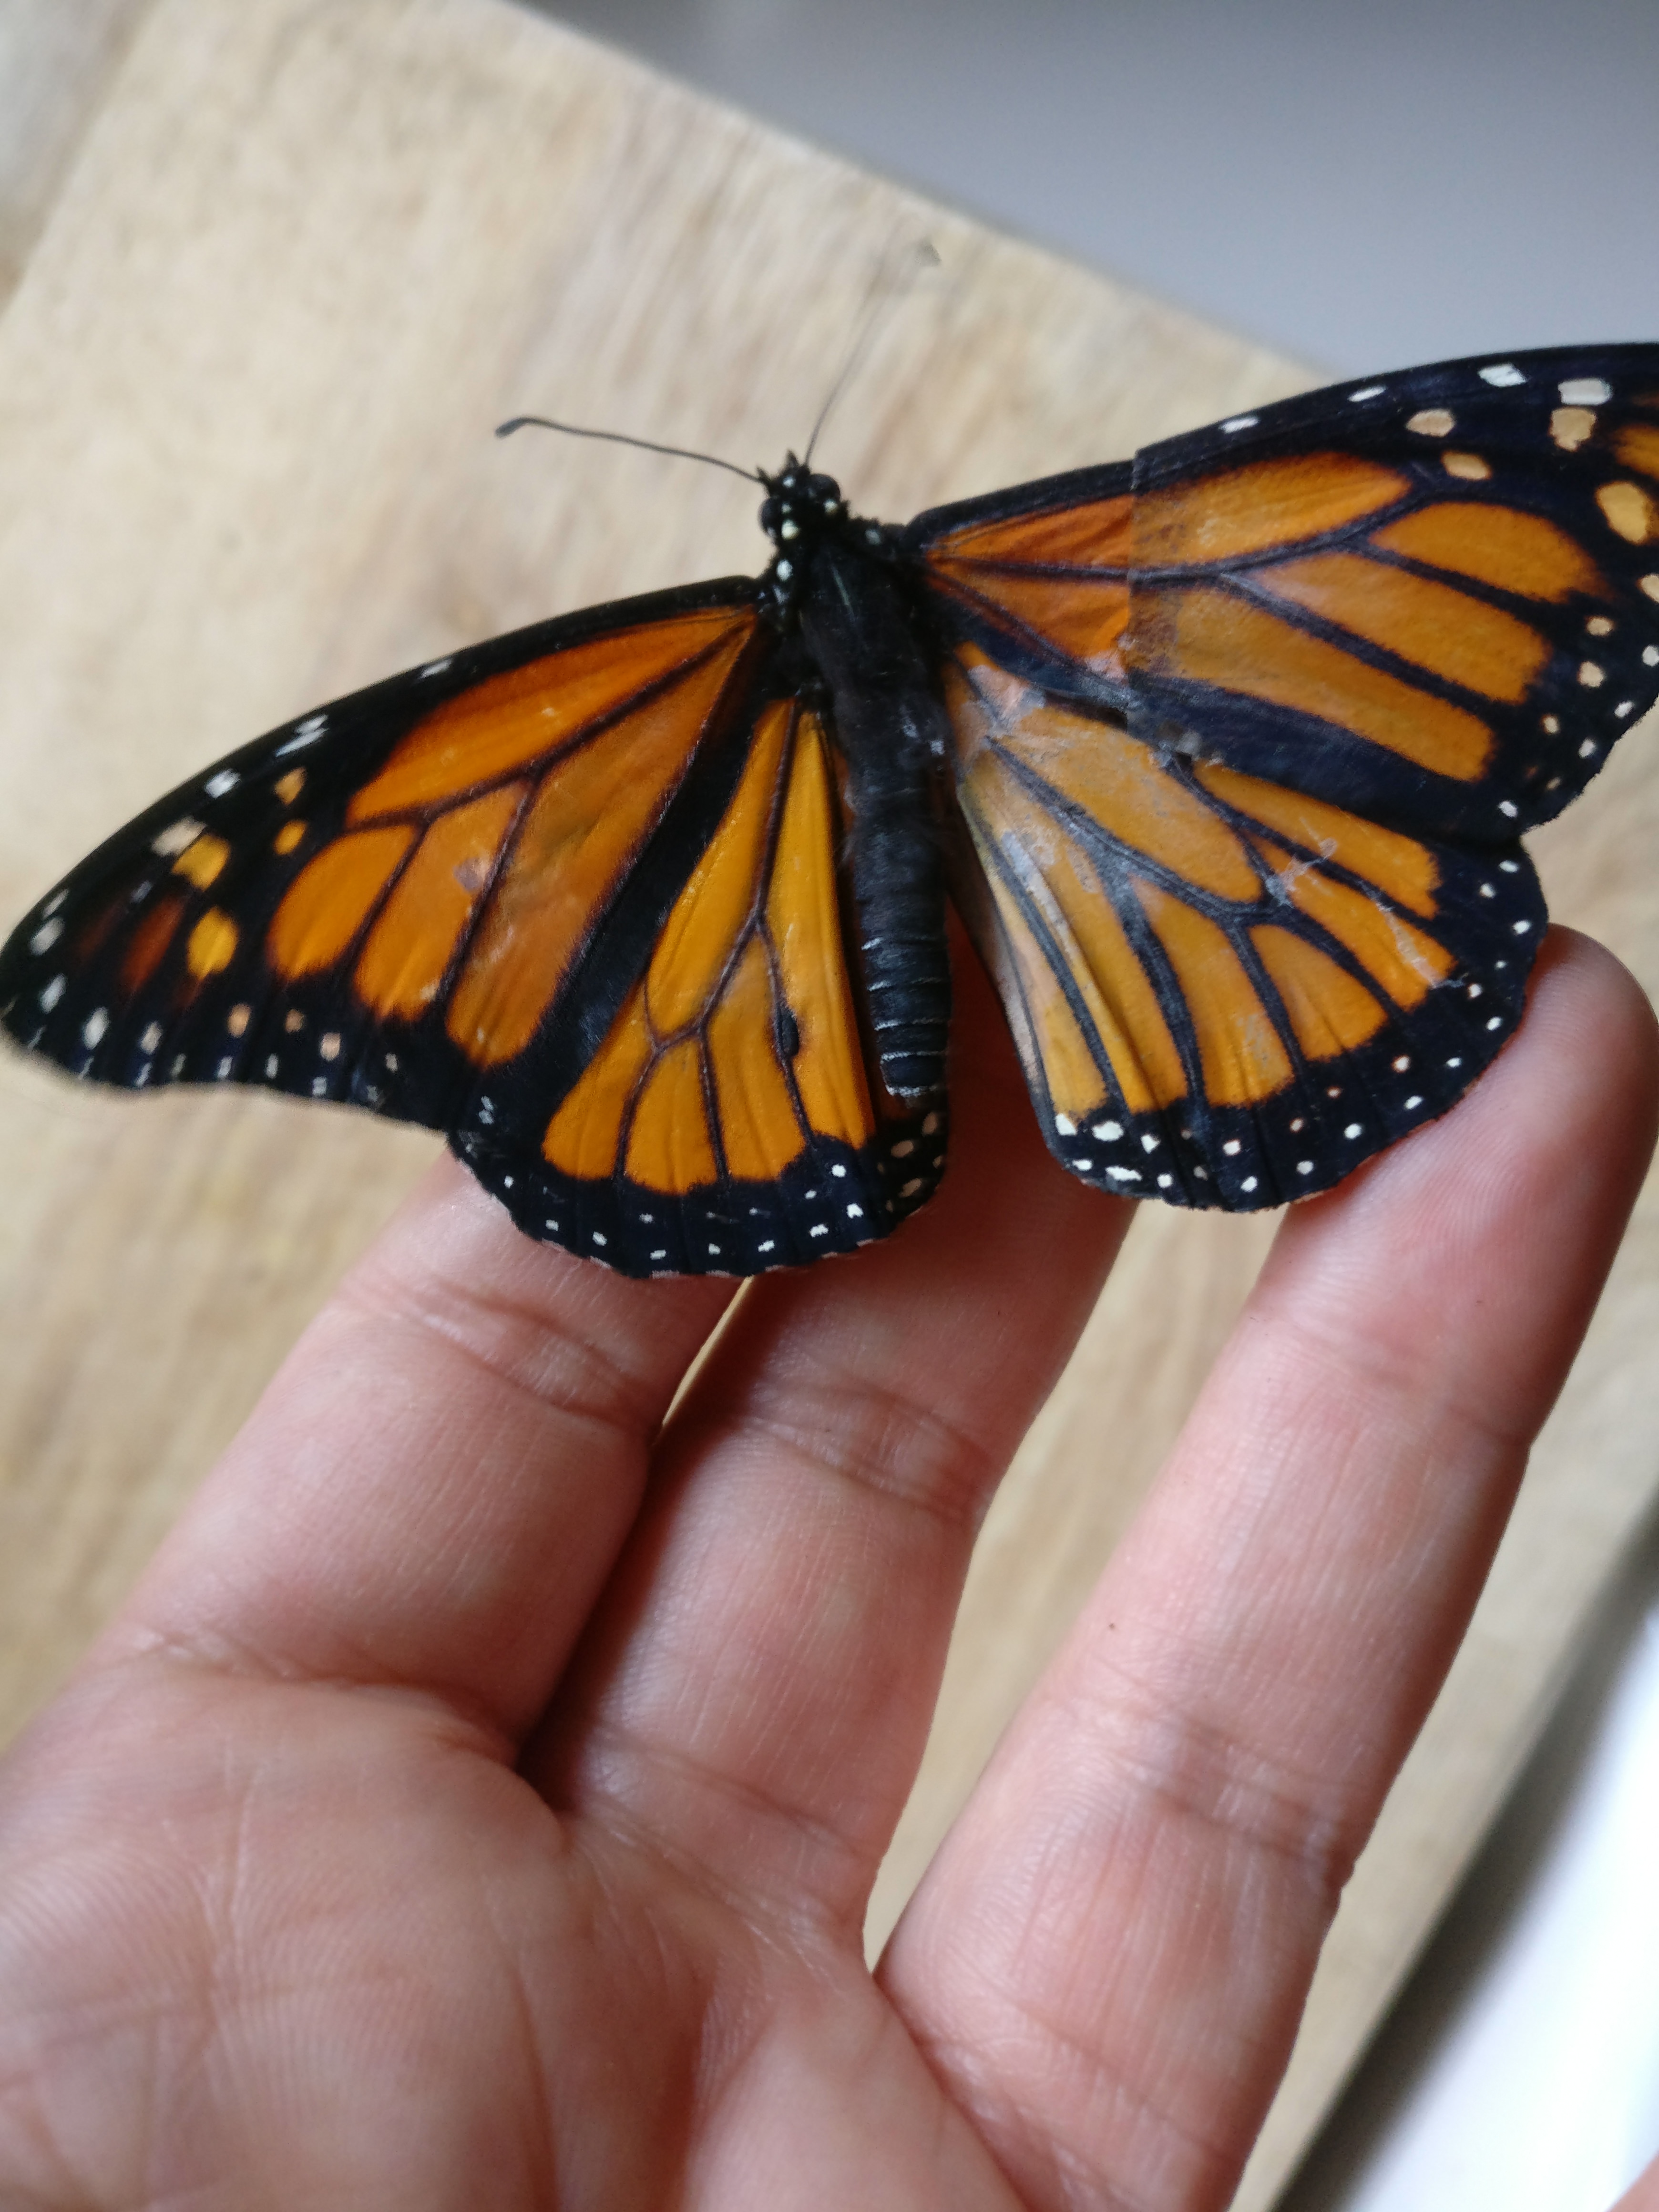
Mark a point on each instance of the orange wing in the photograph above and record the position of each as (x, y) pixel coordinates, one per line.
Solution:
(571, 897)
(1244, 733)
(1430, 598)
(1224, 993)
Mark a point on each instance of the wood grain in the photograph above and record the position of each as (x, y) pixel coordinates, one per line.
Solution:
(307, 253)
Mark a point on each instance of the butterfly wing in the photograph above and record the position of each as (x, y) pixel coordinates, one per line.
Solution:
(1433, 596)
(572, 897)
(1244, 732)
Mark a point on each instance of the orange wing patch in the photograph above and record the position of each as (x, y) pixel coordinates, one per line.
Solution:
(411, 946)
(1496, 545)
(1213, 637)
(1443, 630)
(329, 901)
(1061, 575)
(1236, 513)
(510, 723)
(741, 1043)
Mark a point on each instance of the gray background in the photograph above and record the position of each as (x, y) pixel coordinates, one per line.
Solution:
(1360, 184)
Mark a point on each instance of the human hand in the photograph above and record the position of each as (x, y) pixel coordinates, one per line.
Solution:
(476, 1802)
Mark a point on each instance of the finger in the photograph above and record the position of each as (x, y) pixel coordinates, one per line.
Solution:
(435, 1486)
(1108, 1958)
(760, 1679)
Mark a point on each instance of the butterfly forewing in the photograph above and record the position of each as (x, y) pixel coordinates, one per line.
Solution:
(1431, 597)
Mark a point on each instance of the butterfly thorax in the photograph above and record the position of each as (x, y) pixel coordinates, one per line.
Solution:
(838, 581)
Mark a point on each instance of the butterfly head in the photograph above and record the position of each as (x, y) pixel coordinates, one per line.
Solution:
(800, 510)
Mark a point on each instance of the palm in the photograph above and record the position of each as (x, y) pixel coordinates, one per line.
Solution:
(478, 1801)
(376, 1969)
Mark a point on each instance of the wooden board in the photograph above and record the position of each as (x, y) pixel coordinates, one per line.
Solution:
(306, 255)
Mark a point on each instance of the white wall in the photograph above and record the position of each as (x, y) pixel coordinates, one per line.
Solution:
(1362, 186)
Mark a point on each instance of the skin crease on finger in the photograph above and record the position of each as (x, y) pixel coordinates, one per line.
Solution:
(271, 1890)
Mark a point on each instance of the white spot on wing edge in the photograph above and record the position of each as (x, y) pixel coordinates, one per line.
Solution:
(305, 733)
(217, 786)
(1369, 391)
(1239, 423)
(47, 935)
(177, 837)
(1502, 374)
(95, 1027)
(1585, 390)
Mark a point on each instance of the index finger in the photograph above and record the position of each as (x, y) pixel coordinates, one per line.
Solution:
(436, 1481)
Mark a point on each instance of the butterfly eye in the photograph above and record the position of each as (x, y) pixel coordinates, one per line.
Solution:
(771, 514)
(823, 488)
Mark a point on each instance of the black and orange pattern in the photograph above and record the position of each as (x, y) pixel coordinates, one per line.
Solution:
(1229, 748)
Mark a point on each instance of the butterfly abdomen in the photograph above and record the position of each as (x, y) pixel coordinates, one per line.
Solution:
(889, 726)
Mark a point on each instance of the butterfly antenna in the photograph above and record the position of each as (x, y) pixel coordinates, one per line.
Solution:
(887, 287)
(622, 438)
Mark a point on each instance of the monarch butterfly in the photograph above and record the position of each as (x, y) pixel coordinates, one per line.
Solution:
(1222, 754)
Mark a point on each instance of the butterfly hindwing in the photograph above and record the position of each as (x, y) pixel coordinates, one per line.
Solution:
(730, 1118)
(1224, 993)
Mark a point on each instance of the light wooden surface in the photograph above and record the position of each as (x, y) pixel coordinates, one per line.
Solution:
(299, 258)
(57, 58)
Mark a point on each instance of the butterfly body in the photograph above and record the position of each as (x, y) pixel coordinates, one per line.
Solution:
(1223, 755)
(847, 586)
